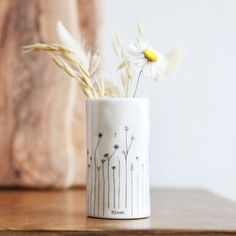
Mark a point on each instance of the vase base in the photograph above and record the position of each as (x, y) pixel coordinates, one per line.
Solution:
(119, 218)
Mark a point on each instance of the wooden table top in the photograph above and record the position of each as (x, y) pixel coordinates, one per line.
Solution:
(174, 212)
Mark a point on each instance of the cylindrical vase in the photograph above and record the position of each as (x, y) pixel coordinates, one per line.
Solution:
(118, 158)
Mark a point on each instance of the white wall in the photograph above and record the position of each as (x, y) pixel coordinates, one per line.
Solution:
(193, 112)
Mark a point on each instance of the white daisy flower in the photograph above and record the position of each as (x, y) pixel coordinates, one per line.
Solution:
(148, 61)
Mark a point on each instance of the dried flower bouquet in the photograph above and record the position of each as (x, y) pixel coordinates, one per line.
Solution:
(139, 60)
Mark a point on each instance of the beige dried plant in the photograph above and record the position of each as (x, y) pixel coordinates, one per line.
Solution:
(85, 66)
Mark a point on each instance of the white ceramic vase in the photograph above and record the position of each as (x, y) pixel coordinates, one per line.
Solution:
(118, 158)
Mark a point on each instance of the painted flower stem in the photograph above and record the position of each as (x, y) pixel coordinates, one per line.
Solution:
(98, 168)
(95, 171)
(103, 194)
(143, 184)
(146, 177)
(132, 207)
(89, 193)
(126, 152)
(126, 173)
(108, 188)
(114, 187)
(91, 184)
(137, 186)
(116, 147)
(119, 187)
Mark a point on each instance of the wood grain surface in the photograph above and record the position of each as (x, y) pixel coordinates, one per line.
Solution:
(89, 22)
(174, 212)
(42, 123)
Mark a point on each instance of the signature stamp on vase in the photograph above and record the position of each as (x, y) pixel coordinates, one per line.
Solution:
(118, 154)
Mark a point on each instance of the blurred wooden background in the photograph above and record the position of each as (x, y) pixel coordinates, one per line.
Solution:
(42, 117)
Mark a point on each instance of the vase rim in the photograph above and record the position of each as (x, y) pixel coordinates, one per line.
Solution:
(116, 99)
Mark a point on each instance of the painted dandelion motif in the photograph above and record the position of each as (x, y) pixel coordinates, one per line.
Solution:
(125, 153)
(108, 157)
(100, 135)
(103, 192)
(131, 171)
(114, 186)
(98, 168)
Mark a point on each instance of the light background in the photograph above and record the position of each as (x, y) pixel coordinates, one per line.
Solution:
(193, 113)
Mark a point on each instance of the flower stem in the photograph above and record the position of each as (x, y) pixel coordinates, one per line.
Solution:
(139, 76)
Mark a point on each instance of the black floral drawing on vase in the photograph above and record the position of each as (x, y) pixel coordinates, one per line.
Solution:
(108, 177)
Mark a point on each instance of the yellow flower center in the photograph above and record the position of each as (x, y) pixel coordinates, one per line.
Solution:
(150, 55)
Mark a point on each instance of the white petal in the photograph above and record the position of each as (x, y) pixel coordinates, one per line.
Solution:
(147, 71)
(154, 70)
(142, 45)
(154, 66)
(135, 60)
(132, 48)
